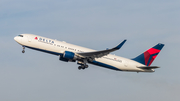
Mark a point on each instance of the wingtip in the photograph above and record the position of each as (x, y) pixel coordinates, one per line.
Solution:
(121, 44)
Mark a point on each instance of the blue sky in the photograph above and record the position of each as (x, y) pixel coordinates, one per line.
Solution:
(96, 24)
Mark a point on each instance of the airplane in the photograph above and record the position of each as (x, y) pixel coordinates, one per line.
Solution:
(71, 53)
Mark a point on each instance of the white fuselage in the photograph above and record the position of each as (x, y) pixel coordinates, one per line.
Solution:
(59, 47)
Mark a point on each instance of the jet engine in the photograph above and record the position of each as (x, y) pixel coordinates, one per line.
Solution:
(68, 56)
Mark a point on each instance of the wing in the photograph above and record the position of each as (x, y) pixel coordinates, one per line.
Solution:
(98, 54)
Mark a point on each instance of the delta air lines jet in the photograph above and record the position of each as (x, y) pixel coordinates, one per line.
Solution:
(72, 53)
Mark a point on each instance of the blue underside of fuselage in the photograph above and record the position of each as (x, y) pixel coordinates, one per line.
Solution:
(94, 62)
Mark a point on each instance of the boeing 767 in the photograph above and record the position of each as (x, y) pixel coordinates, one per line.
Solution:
(84, 56)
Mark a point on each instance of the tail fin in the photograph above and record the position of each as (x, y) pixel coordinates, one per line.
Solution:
(148, 56)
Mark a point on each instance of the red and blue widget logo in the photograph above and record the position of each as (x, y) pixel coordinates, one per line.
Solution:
(150, 55)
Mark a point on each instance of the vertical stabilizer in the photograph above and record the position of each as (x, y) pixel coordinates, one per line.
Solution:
(148, 56)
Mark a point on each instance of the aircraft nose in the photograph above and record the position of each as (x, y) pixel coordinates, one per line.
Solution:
(15, 38)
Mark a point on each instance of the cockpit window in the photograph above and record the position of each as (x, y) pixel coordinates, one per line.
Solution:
(20, 35)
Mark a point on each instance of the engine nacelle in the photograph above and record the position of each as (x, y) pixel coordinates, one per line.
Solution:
(69, 55)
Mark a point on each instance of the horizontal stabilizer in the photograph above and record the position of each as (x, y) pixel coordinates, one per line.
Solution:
(149, 67)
